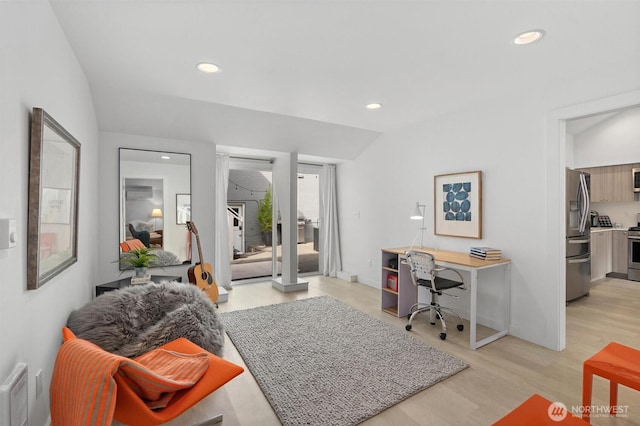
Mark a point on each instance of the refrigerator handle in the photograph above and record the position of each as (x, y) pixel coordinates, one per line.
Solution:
(585, 203)
(571, 241)
(580, 198)
(587, 199)
(582, 260)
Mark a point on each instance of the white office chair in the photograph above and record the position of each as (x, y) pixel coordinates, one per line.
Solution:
(425, 273)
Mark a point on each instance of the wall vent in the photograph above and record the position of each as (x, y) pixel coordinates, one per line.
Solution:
(139, 192)
(14, 398)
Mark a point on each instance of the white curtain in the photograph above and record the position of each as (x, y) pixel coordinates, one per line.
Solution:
(330, 263)
(222, 261)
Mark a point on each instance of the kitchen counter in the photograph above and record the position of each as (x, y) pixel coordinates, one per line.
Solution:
(598, 229)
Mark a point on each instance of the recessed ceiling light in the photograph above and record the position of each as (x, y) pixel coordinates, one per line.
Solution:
(529, 37)
(208, 67)
(374, 106)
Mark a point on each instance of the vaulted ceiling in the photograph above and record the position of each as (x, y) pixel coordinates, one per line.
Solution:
(296, 75)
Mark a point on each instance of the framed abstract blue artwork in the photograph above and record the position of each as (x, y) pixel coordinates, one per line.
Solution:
(458, 204)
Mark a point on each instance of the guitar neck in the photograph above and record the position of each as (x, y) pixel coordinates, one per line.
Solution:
(199, 249)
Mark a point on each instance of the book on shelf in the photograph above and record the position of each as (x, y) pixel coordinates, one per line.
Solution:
(141, 280)
(478, 256)
(485, 254)
(486, 250)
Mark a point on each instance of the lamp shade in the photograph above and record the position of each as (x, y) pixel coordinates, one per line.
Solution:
(156, 213)
(417, 214)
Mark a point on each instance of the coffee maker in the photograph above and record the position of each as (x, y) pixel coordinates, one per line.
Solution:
(594, 218)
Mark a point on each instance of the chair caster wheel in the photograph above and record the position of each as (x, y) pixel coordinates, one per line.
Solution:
(460, 327)
(443, 336)
(408, 327)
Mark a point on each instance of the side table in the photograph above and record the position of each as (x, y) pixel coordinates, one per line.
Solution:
(126, 282)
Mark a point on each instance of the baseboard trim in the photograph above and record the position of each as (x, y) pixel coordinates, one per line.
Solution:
(300, 285)
(347, 276)
(223, 295)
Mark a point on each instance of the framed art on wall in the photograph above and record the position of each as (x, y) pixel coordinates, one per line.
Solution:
(54, 167)
(458, 204)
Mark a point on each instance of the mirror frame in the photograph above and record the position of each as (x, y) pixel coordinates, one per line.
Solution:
(59, 206)
(121, 206)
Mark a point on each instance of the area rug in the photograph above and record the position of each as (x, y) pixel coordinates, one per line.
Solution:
(321, 362)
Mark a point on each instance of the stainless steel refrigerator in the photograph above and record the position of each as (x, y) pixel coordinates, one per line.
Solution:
(578, 238)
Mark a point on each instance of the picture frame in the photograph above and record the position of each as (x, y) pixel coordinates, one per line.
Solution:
(458, 204)
(183, 209)
(52, 228)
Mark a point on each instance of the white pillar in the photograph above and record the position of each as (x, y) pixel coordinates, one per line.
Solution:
(285, 195)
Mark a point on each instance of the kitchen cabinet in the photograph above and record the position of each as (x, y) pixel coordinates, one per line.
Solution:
(600, 254)
(620, 250)
(611, 184)
(598, 183)
(622, 181)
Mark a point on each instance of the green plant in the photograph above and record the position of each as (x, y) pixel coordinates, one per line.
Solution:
(265, 208)
(138, 258)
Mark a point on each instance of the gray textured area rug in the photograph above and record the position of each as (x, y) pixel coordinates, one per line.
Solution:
(321, 362)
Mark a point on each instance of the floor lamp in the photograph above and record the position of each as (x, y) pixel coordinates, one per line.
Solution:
(155, 214)
(418, 214)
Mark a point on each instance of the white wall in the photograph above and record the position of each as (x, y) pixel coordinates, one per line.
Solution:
(506, 140)
(398, 170)
(202, 197)
(615, 140)
(38, 69)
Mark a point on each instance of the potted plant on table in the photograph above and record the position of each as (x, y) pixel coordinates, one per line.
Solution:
(140, 259)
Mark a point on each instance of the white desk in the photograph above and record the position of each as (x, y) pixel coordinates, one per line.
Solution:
(400, 302)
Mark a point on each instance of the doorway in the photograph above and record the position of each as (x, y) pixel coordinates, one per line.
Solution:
(308, 219)
(251, 254)
(557, 143)
(236, 219)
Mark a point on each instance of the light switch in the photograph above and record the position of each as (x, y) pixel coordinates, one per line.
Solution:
(7, 233)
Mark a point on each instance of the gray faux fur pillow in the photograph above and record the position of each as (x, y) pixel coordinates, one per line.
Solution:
(136, 319)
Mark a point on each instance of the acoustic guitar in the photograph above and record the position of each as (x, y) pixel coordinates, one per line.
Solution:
(201, 274)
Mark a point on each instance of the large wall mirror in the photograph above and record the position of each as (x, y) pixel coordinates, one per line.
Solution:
(155, 203)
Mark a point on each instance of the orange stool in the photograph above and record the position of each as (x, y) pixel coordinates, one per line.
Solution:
(539, 411)
(616, 363)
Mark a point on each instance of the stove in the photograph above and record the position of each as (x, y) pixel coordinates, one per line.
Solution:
(634, 253)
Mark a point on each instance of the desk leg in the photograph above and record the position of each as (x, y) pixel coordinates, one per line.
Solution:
(475, 344)
(473, 315)
(507, 292)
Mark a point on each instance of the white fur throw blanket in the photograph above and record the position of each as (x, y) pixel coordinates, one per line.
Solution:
(136, 319)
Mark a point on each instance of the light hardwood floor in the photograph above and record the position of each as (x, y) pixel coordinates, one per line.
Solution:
(501, 374)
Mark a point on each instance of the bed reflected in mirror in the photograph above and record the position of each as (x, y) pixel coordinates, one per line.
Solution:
(151, 185)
